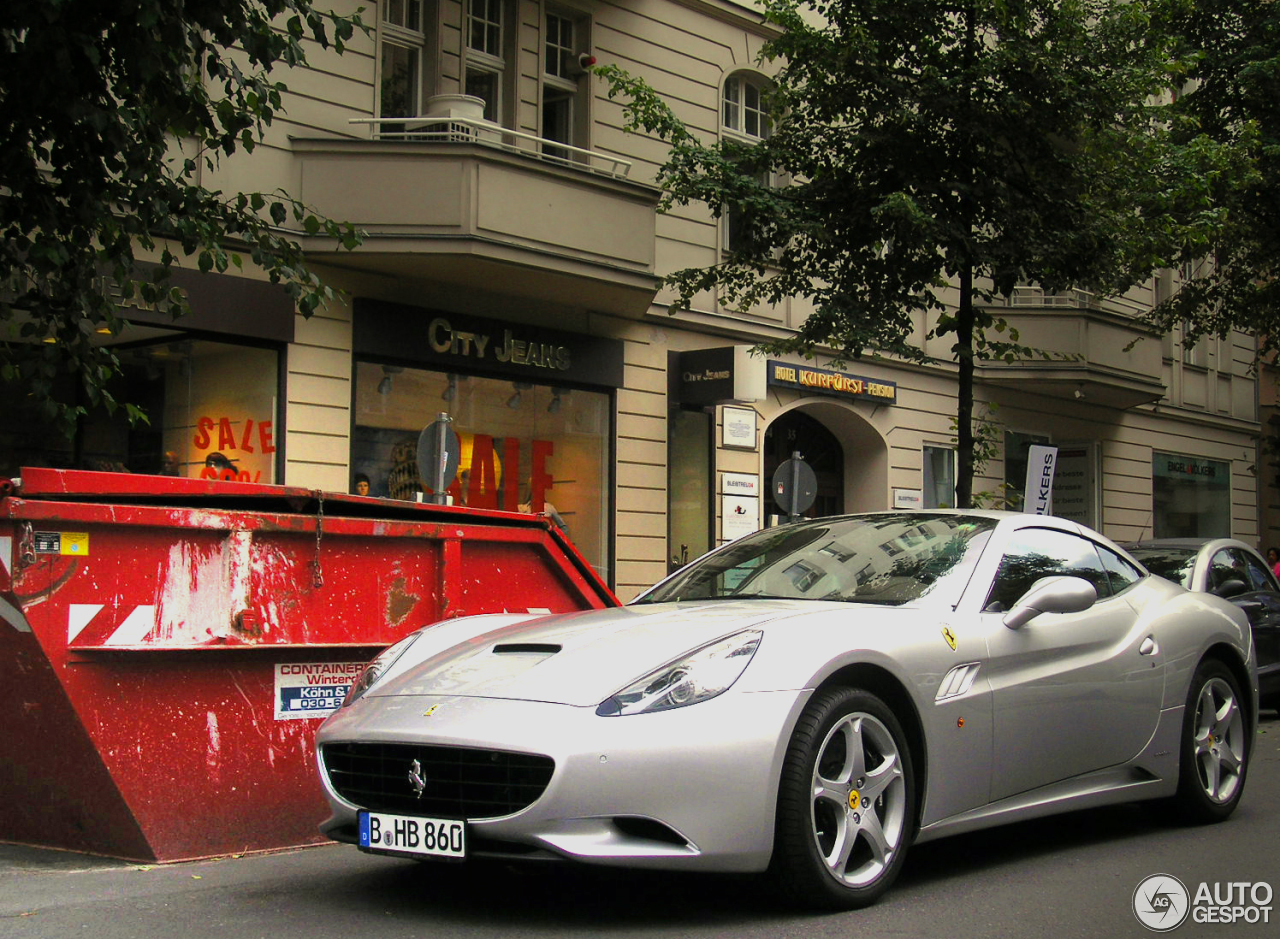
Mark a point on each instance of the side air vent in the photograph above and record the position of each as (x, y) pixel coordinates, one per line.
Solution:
(958, 681)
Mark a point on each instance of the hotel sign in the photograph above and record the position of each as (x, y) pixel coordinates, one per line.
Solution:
(836, 384)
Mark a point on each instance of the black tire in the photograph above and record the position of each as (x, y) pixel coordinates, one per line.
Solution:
(1213, 754)
(828, 852)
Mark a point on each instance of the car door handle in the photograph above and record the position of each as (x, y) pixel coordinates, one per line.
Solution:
(1148, 647)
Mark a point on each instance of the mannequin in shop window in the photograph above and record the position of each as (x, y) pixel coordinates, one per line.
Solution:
(360, 484)
(218, 466)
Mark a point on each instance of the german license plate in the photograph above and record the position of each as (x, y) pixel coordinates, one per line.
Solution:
(413, 834)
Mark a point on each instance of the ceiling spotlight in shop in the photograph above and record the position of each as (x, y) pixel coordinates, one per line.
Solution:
(521, 387)
(384, 386)
(452, 391)
(554, 406)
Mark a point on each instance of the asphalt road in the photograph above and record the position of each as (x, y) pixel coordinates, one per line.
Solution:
(1073, 876)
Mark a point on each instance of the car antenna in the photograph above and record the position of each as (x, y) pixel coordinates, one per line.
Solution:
(1145, 526)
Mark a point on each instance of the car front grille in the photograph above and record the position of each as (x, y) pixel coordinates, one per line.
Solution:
(460, 782)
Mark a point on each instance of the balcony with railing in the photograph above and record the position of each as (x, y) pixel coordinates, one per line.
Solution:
(452, 197)
(1088, 348)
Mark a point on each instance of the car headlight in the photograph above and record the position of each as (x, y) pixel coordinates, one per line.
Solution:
(377, 668)
(702, 674)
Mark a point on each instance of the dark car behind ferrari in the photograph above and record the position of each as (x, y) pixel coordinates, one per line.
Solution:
(1232, 570)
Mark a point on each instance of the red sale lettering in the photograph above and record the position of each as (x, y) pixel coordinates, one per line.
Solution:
(254, 436)
(201, 439)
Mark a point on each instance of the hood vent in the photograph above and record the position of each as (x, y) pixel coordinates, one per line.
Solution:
(527, 648)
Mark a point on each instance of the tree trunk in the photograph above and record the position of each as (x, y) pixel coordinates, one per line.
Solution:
(963, 350)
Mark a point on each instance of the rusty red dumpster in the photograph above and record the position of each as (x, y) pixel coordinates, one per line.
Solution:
(169, 645)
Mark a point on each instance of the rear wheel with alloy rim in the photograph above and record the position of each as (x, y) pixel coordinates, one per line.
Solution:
(1215, 746)
(846, 803)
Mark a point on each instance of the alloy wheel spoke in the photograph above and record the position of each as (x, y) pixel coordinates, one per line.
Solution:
(830, 792)
(1201, 745)
(882, 777)
(855, 754)
(1224, 719)
(1212, 768)
(875, 837)
(834, 787)
(1228, 761)
(846, 835)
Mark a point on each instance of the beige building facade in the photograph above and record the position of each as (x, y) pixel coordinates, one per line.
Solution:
(510, 280)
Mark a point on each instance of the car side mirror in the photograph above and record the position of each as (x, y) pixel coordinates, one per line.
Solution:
(1230, 588)
(1058, 594)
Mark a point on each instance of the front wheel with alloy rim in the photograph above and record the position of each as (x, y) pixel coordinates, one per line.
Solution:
(846, 802)
(1215, 746)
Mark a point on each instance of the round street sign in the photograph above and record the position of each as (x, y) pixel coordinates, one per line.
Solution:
(794, 486)
(438, 453)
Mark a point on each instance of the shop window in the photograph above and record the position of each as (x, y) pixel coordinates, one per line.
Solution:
(690, 513)
(402, 51)
(526, 446)
(486, 54)
(939, 478)
(211, 409)
(1191, 497)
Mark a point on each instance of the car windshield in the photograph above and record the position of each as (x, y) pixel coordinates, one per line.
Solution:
(1170, 563)
(887, 559)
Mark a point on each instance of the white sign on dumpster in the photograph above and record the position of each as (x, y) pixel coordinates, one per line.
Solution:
(313, 689)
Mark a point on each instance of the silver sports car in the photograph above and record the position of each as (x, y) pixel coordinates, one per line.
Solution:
(809, 701)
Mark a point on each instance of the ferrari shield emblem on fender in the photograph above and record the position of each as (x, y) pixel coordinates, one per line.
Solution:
(948, 635)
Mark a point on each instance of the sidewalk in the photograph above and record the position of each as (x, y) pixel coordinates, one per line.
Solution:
(20, 857)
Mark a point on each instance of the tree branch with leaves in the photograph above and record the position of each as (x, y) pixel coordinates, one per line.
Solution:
(923, 149)
(109, 111)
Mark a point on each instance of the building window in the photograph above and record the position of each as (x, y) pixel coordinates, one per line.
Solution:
(1195, 353)
(485, 54)
(563, 110)
(401, 54)
(743, 116)
(737, 225)
(526, 446)
(1190, 496)
(211, 409)
(484, 27)
(557, 120)
(939, 478)
(744, 111)
(560, 52)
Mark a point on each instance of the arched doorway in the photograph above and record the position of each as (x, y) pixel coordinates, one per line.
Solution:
(849, 456)
(818, 446)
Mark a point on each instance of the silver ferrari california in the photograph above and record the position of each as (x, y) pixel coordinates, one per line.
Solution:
(809, 701)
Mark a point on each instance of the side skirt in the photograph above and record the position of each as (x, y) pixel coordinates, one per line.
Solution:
(1152, 774)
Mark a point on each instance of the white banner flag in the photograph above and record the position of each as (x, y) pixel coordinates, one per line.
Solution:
(1041, 462)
